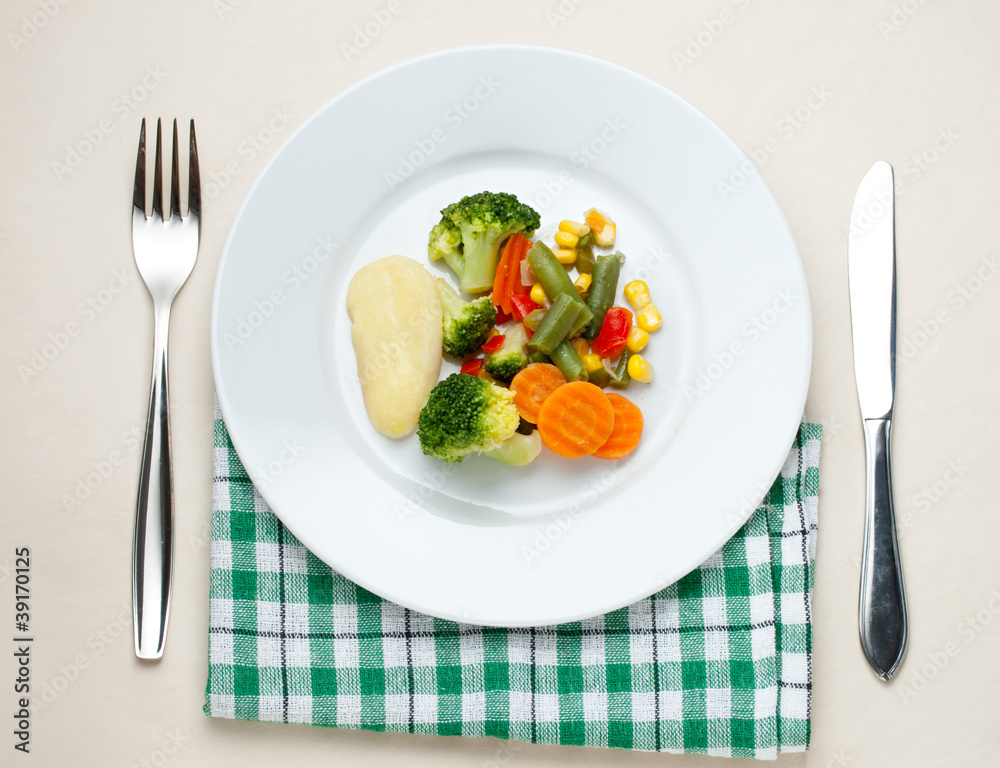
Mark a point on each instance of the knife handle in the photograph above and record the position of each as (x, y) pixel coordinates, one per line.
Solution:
(882, 607)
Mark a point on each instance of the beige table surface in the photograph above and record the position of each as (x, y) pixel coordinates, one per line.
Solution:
(819, 94)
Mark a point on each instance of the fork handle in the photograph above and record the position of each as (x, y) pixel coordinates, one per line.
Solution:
(152, 545)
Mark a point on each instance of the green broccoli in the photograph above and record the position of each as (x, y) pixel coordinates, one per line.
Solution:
(470, 232)
(465, 414)
(446, 243)
(503, 364)
(466, 323)
(518, 449)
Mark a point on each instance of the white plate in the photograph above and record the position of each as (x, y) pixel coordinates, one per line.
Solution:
(365, 177)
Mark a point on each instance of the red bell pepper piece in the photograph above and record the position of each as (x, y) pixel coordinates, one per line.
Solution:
(614, 333)
(522, 306)
(493, 343)
(472, 366)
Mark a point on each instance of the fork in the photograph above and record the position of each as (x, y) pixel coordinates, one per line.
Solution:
(165, 249)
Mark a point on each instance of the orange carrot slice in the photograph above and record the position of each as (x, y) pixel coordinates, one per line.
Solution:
(595, 220)
(626, 431)
(532, 385)
(519, 245)
(502, 276)
(576, 419)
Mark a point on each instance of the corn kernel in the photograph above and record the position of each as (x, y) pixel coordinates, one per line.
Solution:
(649, 318)
(637, 339)
(574, 227)
(592, 362)
(565, 255)
(580, 346)
(537, 294)
(582, 284)
(640, 369)
(637, 293)
(566, 239)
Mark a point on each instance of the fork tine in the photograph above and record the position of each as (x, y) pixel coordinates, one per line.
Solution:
(158, 176)
(139, 188)
(194, 177)
(175, 181)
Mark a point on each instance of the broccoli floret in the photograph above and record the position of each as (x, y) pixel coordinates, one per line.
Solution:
(466, 323)
(470, 232)
(465, 414)
(446, 243)
(518, 449)
(503, 364)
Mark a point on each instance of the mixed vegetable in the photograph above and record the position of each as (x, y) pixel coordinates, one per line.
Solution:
(538, 347)
(550, 343)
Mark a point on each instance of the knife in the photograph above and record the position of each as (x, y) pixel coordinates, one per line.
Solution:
(871, 261)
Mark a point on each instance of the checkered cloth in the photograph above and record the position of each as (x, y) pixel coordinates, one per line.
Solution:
(719, 663)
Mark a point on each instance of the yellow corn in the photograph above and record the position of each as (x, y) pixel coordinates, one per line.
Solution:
(574, 227)
(640, 369)
(566, 239)
(580, 346)
(637, 293)
(537, 294)
(637, 339)
(603, 226)
(565, 255)
(649, 318)
(582, 284)
(592, 362)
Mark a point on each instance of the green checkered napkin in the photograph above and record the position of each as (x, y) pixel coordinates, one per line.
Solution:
(719, 663)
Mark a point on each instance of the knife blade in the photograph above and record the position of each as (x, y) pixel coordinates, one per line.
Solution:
(871, 259)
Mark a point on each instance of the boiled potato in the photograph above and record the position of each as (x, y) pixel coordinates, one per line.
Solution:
(395, 312)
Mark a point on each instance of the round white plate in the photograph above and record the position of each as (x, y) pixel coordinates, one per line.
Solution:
(480, 542)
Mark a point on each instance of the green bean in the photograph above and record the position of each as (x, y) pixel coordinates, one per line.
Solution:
(555, 325)
(620, 378)
(602, 291)
(525, 427)
(568, 361)
(550, 273)
(582, 319)
(533, 319)
(535, 356)
(584, 259)
(601, 377)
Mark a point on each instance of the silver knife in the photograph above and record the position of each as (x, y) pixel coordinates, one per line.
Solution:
(871, 260)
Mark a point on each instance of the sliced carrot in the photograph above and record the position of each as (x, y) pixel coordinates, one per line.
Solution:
(595, 220)
(576, 419)
(520, 245)
(507, 281)
(531, 385)
(501, 277)
(626, 431)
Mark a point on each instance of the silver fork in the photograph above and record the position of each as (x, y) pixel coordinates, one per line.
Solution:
(165, 249)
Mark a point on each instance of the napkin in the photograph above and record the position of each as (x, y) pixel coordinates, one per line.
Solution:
(719, 663)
